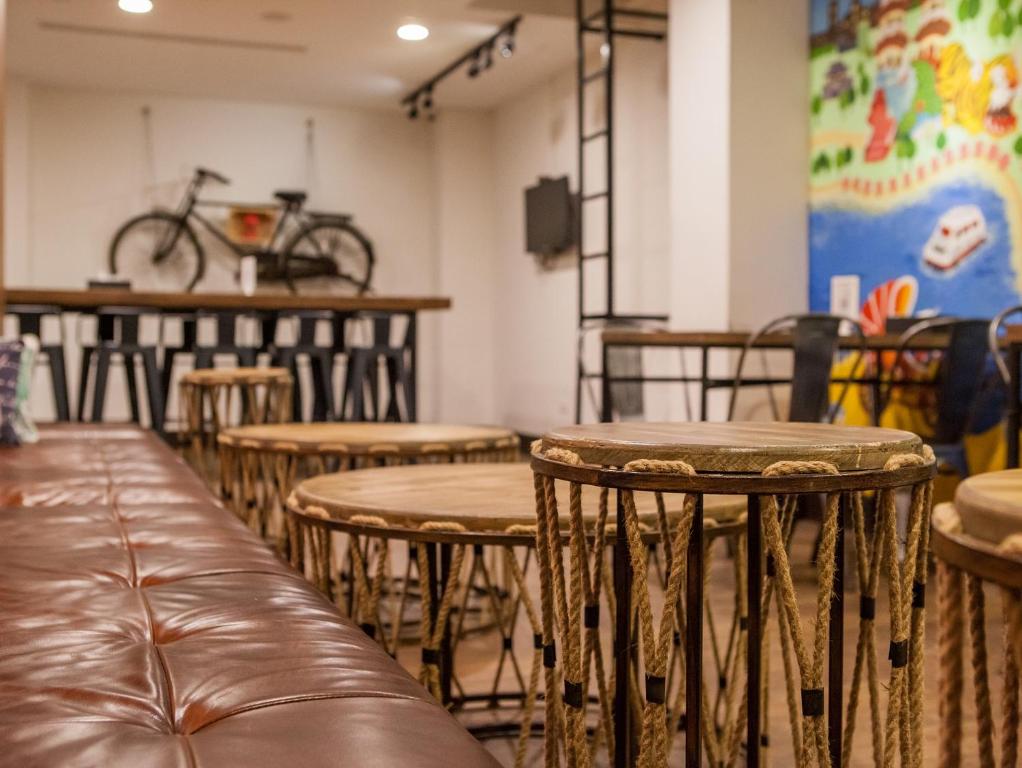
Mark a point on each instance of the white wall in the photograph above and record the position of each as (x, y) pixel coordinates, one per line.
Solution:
(769, 147)
(535, 135)
(463, 203)
(711, 198)
(79, 163)
(739, 190)
(92, 163)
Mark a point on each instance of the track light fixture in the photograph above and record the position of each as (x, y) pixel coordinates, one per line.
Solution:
(507, 42)
(479, 59)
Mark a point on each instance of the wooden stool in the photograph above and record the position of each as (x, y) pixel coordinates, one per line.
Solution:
(261, 464)
(978, 540)
(770, 465)
(463, 519)
(213, 399)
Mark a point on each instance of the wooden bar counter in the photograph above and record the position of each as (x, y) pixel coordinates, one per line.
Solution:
(87, 300)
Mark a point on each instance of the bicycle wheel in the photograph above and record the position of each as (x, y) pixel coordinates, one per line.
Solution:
(328, 255)
(157, 252)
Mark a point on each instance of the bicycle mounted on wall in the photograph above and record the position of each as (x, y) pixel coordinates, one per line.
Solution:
(161, 247)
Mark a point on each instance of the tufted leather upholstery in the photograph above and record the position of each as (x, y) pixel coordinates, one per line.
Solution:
(141, 625)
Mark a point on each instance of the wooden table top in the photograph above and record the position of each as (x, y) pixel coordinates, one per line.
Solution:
(93, 298)
(990, 505)
(211, 376)
(734, 446)
(484, 498)
(738, 339)
(366, 437)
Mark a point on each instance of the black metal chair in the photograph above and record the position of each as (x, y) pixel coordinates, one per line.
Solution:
(993, 341)
(225, 342)
(321, 360)
(958, 381)
(814, 345)
(627, 397)
(30, 321)
(118, 336)
(362, 374)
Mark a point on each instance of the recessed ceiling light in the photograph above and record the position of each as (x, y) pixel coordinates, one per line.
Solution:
(412, 32)
(135, 6)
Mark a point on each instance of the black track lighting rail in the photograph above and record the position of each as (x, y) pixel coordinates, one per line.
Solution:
(479, 58)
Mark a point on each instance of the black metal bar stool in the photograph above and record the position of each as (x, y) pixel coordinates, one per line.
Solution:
(30, 321)
(321, 360)
(118, 334)
(226, 339)
(225, 342)
(363, 372)
(189, 340)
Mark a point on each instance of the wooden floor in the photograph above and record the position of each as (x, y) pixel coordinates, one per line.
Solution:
(477, 653)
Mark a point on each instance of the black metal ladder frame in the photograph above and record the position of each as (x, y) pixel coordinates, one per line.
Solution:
(604, 21)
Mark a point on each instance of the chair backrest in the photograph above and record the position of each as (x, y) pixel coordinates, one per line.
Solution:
(814, 345)
(226, 321)
(626, 397)
(993, 340)
(960, 376)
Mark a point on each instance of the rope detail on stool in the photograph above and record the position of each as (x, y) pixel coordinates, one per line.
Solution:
(532, 692)
(369, 589)
(813, 736)
(433, 631)
(657, 641)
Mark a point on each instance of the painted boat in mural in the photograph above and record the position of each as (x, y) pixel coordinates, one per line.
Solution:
(959, 232)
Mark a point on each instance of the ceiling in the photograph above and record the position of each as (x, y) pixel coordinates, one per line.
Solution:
(307, 51)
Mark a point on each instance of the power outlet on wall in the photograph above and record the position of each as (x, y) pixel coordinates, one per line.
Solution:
(844, 295)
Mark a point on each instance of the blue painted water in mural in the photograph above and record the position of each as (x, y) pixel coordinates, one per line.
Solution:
(878, 247)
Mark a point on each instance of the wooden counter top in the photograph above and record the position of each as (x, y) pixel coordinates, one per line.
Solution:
(738, 339)
(91, 299)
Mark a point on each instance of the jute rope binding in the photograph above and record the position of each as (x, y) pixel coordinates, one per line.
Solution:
(896, 735)
(432, 630)
(961, 603)
(571, 613)
(207, 407)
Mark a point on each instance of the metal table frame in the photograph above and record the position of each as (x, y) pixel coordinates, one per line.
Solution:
(736, 340)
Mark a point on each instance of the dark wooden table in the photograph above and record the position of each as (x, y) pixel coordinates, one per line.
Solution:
(705, 341)
(90, 300)
(71, 300)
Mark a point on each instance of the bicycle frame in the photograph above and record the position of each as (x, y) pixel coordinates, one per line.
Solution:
(274, 263)
(186, 211)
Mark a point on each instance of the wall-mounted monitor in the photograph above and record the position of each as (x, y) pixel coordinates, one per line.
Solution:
(549, 217)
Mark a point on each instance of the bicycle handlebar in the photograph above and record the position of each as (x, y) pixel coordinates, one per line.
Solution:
(205, 173)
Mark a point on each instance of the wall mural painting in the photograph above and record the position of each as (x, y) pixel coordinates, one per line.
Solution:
(916, 164)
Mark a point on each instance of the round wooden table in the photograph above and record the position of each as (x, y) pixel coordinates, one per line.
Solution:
(977, 540)
(462, 519)
(212, 399)
(261, 463)
(774, 468)
(471, 503)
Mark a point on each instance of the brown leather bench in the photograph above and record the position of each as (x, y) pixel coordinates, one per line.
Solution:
(142, 625)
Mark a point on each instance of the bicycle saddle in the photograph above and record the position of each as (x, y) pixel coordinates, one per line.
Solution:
(294, 197)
